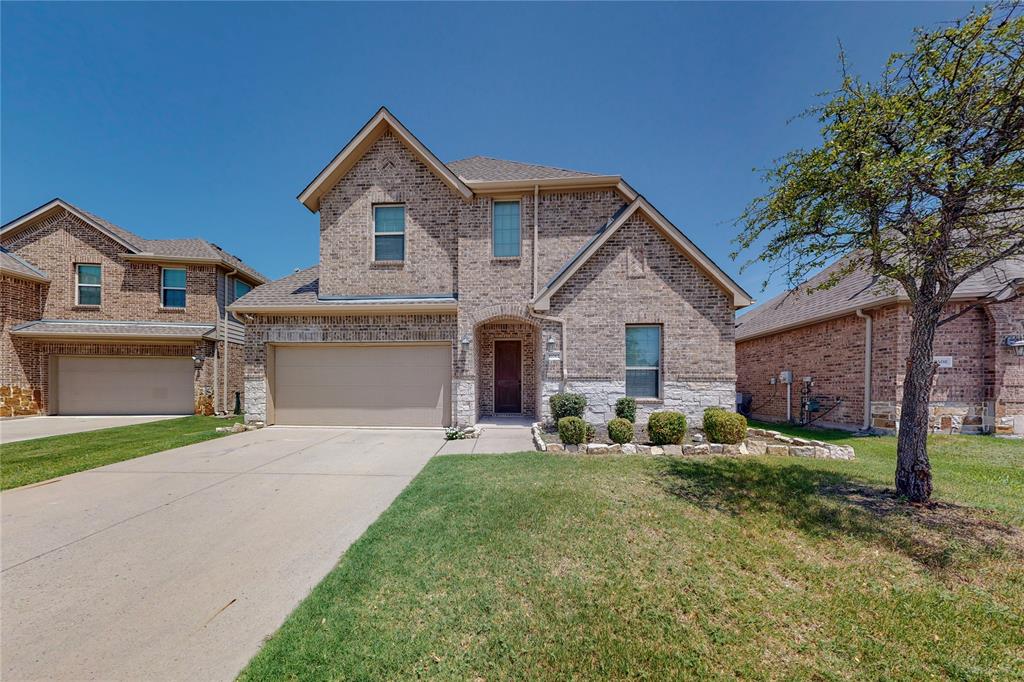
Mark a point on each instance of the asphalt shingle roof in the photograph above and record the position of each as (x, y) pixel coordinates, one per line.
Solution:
(486, 169)
(799, 307)
(180, 248)
(17, 264)
(113, 328)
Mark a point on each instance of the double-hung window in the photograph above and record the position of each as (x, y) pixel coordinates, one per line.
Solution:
(241, 289)
(88, 284)
(172, 287)
(643, 360)
(389, 232)
(505, 231)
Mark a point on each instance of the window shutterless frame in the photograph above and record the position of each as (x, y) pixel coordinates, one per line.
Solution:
(240, 288)
(88, 284)
(172, 287)
(388, 233)
(506, 228)
(643, 360)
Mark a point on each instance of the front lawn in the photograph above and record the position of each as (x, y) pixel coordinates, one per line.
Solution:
(39, 459)
(562, 567)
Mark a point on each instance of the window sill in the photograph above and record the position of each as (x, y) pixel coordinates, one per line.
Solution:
(387, 263)
(649, 401)
(171, 309)
(506, 259)
(86, 306)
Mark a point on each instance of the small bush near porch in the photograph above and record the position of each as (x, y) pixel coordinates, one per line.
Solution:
(531, 566)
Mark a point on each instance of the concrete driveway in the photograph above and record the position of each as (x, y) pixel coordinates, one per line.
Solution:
(177, 565)
(12, 430)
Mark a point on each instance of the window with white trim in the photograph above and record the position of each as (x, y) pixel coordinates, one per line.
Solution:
(172, 287)
(505, 229)
(389, 232)
(643, 360)
(88, 284)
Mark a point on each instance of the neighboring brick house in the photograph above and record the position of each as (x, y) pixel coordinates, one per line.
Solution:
(979, 383)
(450, 292)
(98, 320)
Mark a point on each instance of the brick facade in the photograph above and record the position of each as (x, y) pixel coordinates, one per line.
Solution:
(130, 291)
(982, 392)
(448, 250)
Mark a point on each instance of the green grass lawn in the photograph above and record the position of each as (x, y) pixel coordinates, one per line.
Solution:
(31, 461)
(536, 566)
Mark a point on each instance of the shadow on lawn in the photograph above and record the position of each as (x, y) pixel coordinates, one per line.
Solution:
(819, 503)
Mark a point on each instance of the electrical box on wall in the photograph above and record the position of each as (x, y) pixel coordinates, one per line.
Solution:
(786, 376)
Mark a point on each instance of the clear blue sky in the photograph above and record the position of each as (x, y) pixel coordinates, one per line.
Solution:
(178, 120)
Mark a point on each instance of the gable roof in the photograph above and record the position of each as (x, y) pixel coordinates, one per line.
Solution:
(16, 266)
(139, 248)
(740, 297)
(857, 290)
(382, 121)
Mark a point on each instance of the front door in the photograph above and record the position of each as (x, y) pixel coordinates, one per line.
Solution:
(508, 378)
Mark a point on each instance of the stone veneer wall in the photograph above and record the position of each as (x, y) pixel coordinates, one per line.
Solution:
(20, 393)
(264, 330)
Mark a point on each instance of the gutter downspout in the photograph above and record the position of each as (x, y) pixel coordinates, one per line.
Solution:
(868, 324)
(224, 393)
(536, 229)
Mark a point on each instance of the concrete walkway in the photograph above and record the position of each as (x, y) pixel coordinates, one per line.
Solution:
(26, 428)
(177, 565)
(497, 437)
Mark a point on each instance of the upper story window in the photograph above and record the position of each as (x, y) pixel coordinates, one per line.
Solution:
(389, 232)
(241, 289)
(88, 284)
(505, 232)
(643, 360)
(172, 287)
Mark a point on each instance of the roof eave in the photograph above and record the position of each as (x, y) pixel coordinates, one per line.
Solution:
(18, 274)
(360, 143)
(30, 217)
(344, 308)
(588, 182)
(29, 333)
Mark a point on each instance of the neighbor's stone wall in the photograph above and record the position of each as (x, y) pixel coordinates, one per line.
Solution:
(982, 392)
(265, 330)
(20, 390)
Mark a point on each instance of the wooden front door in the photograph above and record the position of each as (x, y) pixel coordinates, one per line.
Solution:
(508, 377)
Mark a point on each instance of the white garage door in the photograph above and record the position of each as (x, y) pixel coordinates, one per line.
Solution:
(124, 385)
(386, 385)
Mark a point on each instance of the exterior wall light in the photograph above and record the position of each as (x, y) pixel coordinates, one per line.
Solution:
(466, 340)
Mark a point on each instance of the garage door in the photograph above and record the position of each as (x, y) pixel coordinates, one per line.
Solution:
(387, 385)
(124, 385)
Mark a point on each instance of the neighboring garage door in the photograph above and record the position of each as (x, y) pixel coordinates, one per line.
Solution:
(385, 385)
(124, 385)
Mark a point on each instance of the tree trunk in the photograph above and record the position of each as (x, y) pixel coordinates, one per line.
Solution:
(913, 470)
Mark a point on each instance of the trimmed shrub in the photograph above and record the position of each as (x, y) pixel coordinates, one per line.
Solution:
(625, 408)
(620, 430)
(572, 430)
(567, 405)
(591, 432)
(666, 428)
(723, 426)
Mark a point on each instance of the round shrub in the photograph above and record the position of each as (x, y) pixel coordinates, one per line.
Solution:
(620, 430)
(625, 408)
(722, 426)
(567, 405)
(666, 428)
(572, 430)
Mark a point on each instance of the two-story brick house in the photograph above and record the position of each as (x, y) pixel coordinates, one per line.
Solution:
(98, 320)
(450, 292)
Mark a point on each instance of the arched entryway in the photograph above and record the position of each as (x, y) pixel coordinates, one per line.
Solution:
(508, 352)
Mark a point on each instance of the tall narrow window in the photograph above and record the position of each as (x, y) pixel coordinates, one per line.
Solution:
(241, 289)
(643, 361)
(89, 284)
(389, 233)
(505, 229)
(172, 288)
